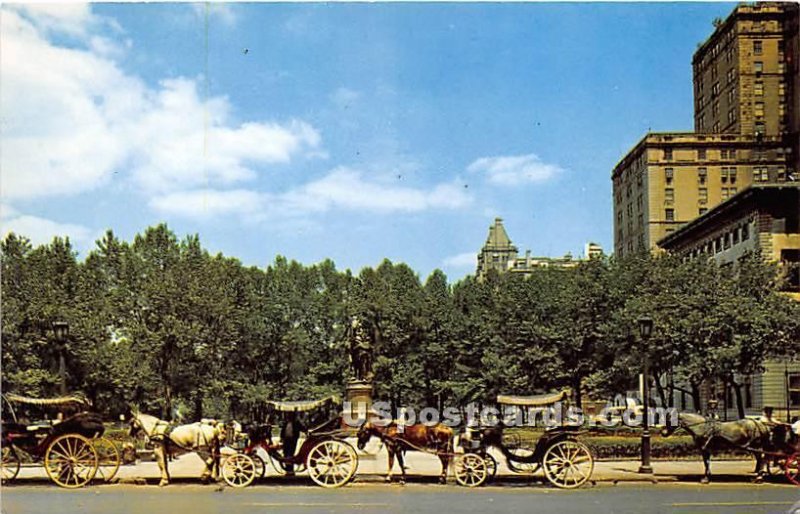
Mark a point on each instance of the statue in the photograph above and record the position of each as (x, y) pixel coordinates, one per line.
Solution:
(360, 351)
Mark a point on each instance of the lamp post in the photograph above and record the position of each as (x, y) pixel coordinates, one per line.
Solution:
(61, 331)
(645, 331)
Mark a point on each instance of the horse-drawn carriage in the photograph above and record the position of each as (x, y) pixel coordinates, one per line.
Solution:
(566, 462)
(329, 460)
(72, 450)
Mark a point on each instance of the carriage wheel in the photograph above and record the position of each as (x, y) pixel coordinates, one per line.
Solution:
(71, 461)
(258, 462)
(491, 466)
(239, 470)
(792, 468)
(332, 463)
(10, 467)
(568, 464)
(471, 470)
(108, 458)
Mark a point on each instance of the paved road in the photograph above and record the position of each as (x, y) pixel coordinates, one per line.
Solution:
(381, 498)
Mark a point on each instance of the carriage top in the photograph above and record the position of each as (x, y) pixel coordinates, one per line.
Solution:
(540, 400)
(304, 405)
(71, 402)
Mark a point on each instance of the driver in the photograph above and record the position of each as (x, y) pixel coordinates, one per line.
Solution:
(290, 433)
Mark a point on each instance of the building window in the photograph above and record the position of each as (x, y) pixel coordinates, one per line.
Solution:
(732, 95)
(667, 154)
(758, 88)
(758, 109)
(759, 127)
(701, 154)
(761, 174)
(758, 47)
(732, 115)
(669, 196)
(715, 127)
(736, 236)
(715, 89)
(794, 389)
(702, 175)
(669, 214)
(758, 66)
(790, 259)
(669, 174)
(723, 175)
(702, 195)
(725, 193)
(745, 232)
(715, 109)
(732, 174)
(730, 76)
(781, 175)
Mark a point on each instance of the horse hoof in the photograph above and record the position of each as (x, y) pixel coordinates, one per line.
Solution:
(388, 480)
(704, 481)
(163, 483)
(758, 480)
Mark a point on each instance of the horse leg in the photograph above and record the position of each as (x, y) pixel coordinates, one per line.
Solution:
(390, 451)
(707, 465)
(759, 468)
(400, 460)
(443, 477)
(208, 473)
(160, 452)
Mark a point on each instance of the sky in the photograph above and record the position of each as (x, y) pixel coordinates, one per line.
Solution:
(354, 132)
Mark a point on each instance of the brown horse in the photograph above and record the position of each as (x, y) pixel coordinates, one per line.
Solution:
(398, 439)
(711, 435)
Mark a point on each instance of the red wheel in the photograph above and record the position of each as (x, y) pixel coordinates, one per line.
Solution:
(792, 468)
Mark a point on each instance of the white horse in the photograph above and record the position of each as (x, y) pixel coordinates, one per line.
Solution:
(204, 437)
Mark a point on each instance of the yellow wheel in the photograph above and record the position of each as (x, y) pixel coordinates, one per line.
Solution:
(10, 466)
(71, 461)
(471, 470)
(332, 463)
(108, 458)
(239, 470)
(568, 464)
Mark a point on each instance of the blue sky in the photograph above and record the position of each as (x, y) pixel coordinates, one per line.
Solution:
(345, 131)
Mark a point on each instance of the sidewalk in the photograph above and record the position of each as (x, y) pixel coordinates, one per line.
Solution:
(373, 465)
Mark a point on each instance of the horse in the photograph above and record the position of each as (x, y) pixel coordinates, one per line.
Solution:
(203, 437)
(399, 439)
(712, 435)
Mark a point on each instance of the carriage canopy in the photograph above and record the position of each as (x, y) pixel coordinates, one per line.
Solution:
(541, 400)
(304, 405)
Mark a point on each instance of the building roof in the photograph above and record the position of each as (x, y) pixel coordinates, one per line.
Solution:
(751, 194)
(498, 237)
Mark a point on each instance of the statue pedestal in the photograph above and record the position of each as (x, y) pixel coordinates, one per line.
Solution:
(358, 398)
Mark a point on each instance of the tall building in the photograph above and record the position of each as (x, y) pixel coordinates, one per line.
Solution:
(746, 121)
(500, 254)
(670, 178)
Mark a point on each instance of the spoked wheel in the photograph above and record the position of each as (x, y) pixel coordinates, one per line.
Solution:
(239, 470)
(568, 464)
(792, 468)
(471, 470)
(276, 465)
(332, 463)
(71, 461)
(491, 466)
(108, 458)
(10, 467)
(258, 462)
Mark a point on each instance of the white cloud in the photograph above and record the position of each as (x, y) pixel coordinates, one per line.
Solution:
(514, 170)
(341, 189)
(42, 230)
(72, 118)
(207, 203)
(346, 188)
(216, 10)
(462, 260)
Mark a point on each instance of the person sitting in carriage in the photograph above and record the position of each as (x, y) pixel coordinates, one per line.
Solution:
(290, 433)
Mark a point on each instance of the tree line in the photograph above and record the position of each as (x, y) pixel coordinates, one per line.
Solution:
(161, 323)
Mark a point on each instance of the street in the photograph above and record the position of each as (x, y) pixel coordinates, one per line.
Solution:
(380, 498)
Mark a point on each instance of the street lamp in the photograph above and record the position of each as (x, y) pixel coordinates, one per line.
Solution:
(645, 331)
(61, 331)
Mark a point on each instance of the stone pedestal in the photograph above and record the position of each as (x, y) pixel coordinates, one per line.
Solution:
(358, 399)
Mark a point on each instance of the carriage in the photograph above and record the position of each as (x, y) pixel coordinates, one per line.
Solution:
(566, 462)
(72, 450)
(329, 460)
